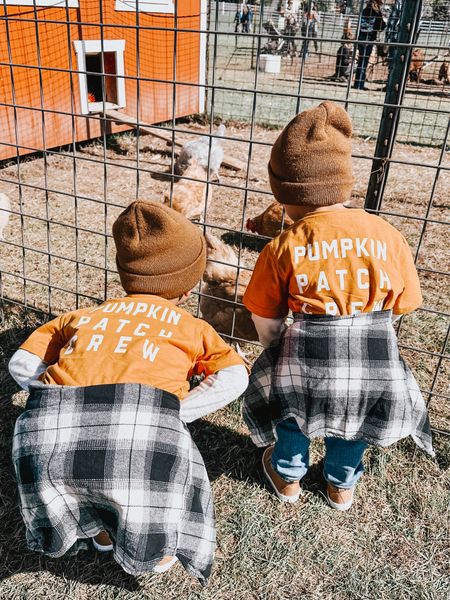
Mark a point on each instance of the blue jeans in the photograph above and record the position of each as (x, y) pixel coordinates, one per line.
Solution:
(364, 52)
(343, 458)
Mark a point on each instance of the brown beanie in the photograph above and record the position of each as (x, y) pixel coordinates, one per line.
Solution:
(310, 162)
(158, 250)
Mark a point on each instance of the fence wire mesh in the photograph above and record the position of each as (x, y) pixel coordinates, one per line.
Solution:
(97, 99)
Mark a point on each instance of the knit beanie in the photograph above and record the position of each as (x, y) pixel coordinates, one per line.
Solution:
(310, 163)
(159, 251)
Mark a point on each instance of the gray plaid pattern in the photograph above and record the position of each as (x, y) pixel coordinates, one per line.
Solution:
(339, 377)
(118, 458)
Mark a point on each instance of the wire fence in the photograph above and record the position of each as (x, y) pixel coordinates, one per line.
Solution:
(97, 98)
(312, 61)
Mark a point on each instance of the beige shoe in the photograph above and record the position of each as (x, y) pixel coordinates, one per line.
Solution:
(102, 542)
(165, 564)
(286, 491)
(339, 498)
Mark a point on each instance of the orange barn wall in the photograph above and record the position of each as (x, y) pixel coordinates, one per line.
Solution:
(33, 130)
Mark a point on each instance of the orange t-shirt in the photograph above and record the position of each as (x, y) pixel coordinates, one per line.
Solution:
(137, 339)
(336, 262)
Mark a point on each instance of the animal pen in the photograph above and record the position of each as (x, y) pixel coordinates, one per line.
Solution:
(98, 97)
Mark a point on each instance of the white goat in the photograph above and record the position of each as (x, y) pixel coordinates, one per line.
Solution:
(199, 149)
(5, 208)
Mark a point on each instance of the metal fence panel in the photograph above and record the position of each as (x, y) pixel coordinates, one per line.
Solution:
(96, 99)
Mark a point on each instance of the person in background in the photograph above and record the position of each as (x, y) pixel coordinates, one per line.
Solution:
(310, 28)
(251, 14)
(290, 8)
(392, 31)
(344, 58)
(290, 32)
(237, 20)
(372, 22)
(245, 19)
(345, 9)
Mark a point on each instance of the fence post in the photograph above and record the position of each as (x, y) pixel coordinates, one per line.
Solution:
(396, 87)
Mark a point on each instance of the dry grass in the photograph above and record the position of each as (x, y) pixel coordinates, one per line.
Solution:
(392, 545)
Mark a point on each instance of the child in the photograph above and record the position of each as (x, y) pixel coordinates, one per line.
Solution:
(336, 371)
(343, 61)
(101, 450)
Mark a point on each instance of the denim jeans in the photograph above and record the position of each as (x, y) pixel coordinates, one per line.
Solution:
(343, 458)
(364, 52)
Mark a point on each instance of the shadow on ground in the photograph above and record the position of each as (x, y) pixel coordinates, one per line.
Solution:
(225, 452)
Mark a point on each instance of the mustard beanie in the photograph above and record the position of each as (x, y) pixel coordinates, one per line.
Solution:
(159, 251)
(310, 163)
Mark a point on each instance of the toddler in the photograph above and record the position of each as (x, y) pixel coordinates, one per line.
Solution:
(101, 450)
(336, 371)
(343, 61)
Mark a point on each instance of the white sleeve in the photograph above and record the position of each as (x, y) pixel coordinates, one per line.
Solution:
(214, 392)
(269, 330)
(25, 367)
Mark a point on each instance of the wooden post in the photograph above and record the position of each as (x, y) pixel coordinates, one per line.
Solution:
(396, 87)
(121, 118)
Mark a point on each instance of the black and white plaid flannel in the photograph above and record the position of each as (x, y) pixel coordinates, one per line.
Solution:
(339, 377)
(115, 458)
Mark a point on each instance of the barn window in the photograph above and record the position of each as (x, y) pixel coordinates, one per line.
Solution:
(101, 70)
(56, 3)
(151, 6)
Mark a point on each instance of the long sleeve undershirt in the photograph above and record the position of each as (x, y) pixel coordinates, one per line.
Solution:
(213, 393)
(25, 368)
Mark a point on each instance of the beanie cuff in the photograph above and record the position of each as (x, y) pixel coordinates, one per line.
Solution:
(312, 193)
(167, 285)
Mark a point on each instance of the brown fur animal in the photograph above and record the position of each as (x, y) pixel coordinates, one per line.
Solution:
(416, 65)
(219, 281)
(189, 197)
(269, 222)
(444, 72)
